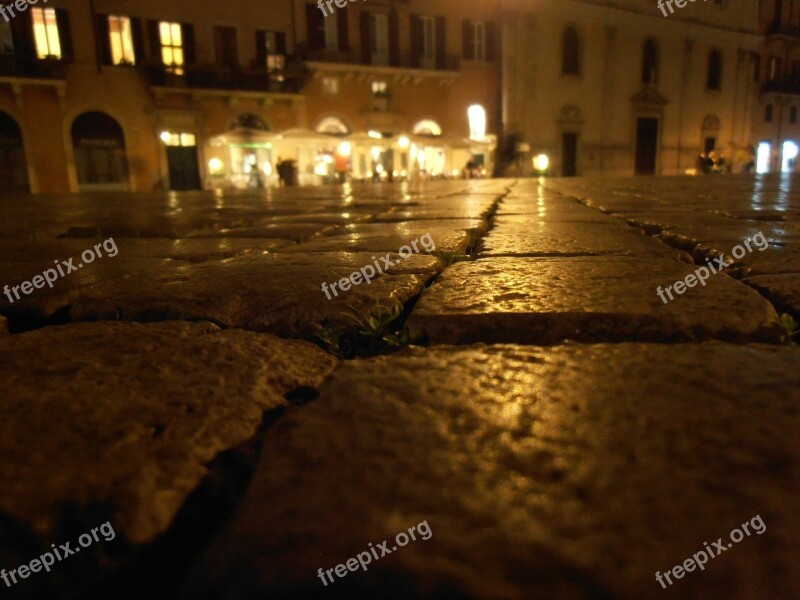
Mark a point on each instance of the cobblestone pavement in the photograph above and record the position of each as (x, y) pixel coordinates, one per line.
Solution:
(521, 388)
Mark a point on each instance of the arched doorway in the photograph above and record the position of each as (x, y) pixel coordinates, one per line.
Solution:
(13, 166)
(100, 156)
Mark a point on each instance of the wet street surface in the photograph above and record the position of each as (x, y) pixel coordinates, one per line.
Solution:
(522, 388)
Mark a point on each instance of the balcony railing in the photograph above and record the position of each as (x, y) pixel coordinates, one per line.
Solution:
(404, 60)
(789, 87)
(779, 28)
(12, 65)
(214, 77)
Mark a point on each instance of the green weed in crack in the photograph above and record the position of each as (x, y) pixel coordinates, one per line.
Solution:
(370, 333)
(790, 325)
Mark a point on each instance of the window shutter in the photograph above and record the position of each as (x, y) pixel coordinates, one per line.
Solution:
(440, 43)
(22, 34)
(64, 33)
(154, 37)
(280, 43)
(137, 33)
(103, 39)
(187, 33)
(261, 49)
(314, 24)
(342, 30)
(416, 40)
(468, 39)
(366, 45)
(491, 42)
(394, 39)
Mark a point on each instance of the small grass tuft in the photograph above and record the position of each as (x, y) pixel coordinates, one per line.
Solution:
(371, 333)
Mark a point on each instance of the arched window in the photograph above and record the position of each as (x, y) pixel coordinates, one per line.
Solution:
(332, 126)
(650, 62)
(571, 52)
(99, 145)
(714, 77)
(427, 127)
(13, 167)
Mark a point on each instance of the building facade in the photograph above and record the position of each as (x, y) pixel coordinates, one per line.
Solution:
(775, 120)
(621, 88)
(145, 95)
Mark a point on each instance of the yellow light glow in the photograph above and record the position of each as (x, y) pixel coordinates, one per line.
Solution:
(404, 142)
(541, 162)
(216, 166)
(374, 135)
(345, 149)
(165, 136)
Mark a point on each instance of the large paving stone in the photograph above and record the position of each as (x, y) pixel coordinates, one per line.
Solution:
(124, 417)
(277, 293)
(526, 235)
(477, 206)
(782, 290)
(572, 472)
(449, 235)
(42, 304)
(548, 300)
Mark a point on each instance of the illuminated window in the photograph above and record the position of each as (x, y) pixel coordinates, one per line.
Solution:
(276, 51)
(330, 86)
(121, 40)
(171, 138)
(171, 46)
(45, 32)
(380, 88)
(477, 122)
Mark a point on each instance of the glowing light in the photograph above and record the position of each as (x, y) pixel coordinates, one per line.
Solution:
(762, 161)
(541, 162)
(379, 168)
(216, 166)
(790, 152)
(321, 169)
(376, 153)
(328, 159)
(165, 136)
(345, 149)
(477, 122)
(403, 142)
(267, 169)
(455, 172)
(374, 135)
